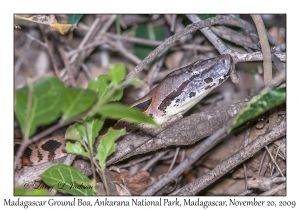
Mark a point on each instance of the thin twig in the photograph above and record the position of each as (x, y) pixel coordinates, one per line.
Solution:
(275, 81)
(271, 156)
(200, 48)
(238, 57)
(274, 190)
(245, 143)
(90, 35)
(121, 48)
(171, 40)
(278, 173)
(136, 40)
(236, 159)
(36, 40)
(86, 71)
(261, 164)
(174, 159)
(134, 162)
(199, 151)
(22, 60)
(91, 45)
(216, 41)
(267, 63)
(28, 109)
(67, 64)
(235, 37)
(246, 192)
(154, 160)
(264, 164)
(152, 73)
(277, 153)
(93, 32)
(105, 177)
(265, 47)
(48, 47)
(133, 39)
(173, 21)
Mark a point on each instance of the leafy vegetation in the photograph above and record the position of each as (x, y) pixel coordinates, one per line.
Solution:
(44, 101)
(258, 105)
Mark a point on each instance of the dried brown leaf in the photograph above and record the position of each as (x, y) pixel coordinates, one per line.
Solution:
(136, 184)
(62, 28)
(49, 20)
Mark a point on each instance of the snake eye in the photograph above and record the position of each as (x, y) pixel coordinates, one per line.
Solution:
(223, 61)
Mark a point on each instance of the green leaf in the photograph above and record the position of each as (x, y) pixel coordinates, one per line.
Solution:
(72, 133)
(77, 101)
(147, 32)
(39, 104)
(27, 192)
(101, 85)
(107, 145)
(135, 81)
(74, 18)
(76, 149)
(93, 126)
(67, 179)
(131, 114)
(118, 25)
(205, 16)
(258, 105)
(117, 72)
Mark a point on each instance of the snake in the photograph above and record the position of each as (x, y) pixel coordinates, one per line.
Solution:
(175, 94)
